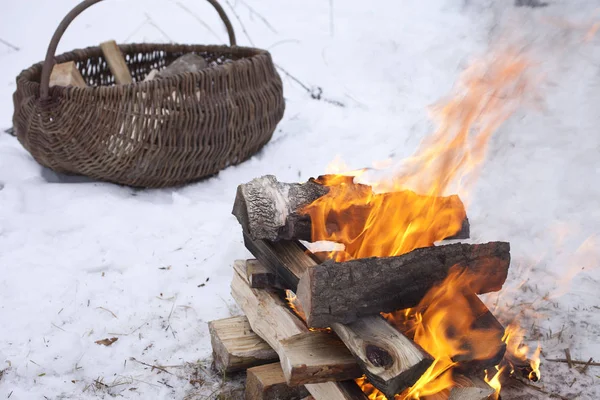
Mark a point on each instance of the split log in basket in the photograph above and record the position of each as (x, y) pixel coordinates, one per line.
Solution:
(269, 209)
(343, 292)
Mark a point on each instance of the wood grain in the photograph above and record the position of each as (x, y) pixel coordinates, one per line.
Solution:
(236, 347)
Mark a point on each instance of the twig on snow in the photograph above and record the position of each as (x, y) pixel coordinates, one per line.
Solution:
(236, 15)
(195, 16)
(107, 310)
(158, 28)
(253, 11)
(7, 44)
(283, 42)
(331, 23)
(563, 360)
(316, 92)
(151, 366)
(568, 356)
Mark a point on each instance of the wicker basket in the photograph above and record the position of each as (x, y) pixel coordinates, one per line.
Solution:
(159, 133)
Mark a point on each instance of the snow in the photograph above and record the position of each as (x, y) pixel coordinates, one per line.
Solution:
(82, 261)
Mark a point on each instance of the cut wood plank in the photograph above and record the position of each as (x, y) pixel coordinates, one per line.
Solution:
(266, 382)
(345, 390)
(236, 347)
(116, 62)
(66, 74)
(390, 360)
(292, 259)
(274, 322)
(342, 292)
(272, 210)
(315, 357)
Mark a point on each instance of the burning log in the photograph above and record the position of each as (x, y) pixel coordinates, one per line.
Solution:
(270, 318)
(271, 210)
(236, 347)
(267, 382)
(475, 360)
(390, 360)
(344, 291)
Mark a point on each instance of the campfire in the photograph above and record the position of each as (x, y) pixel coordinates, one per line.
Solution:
(392, 310)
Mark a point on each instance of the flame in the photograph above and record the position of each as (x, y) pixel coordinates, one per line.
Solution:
(294, 304)
(494, 381)
(449, 324)
(519, 354)
(384, 218)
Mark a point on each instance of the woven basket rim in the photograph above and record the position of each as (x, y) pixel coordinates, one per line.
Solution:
(24, 76)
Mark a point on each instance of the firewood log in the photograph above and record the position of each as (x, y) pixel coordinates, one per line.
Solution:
(66, 74)
(116, 62)
(187, 63)
(266, 382)
(390, 360)
(236, 347)
(342, 292)
(270, 318)
(269, 209)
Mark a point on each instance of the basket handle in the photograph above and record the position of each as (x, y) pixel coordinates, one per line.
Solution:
(49, 61)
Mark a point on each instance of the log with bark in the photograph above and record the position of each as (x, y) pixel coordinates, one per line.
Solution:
(331, 292)
(271, 319)
(272, 210)
(236, 347)
(344, 291)
(390, 360)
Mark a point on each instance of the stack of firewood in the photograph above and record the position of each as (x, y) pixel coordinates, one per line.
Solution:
(333, 332)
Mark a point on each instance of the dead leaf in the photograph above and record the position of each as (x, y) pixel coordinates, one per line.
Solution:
(106, 342)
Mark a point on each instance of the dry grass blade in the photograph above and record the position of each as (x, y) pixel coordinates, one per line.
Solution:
(107, 310)
(588, 363)
(568, 356)
(151, 366)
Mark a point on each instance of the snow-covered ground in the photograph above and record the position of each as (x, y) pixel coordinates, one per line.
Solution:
(82, 261)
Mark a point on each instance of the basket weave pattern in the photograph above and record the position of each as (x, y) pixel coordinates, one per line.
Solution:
(159, 133)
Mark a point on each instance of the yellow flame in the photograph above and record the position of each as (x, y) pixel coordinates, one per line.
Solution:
(385, 218)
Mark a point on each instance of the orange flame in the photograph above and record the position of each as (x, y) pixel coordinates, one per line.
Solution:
(384, 218)
(453, 326)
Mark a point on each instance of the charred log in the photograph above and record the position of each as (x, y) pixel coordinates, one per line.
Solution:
(344, 291)
(272, 210)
